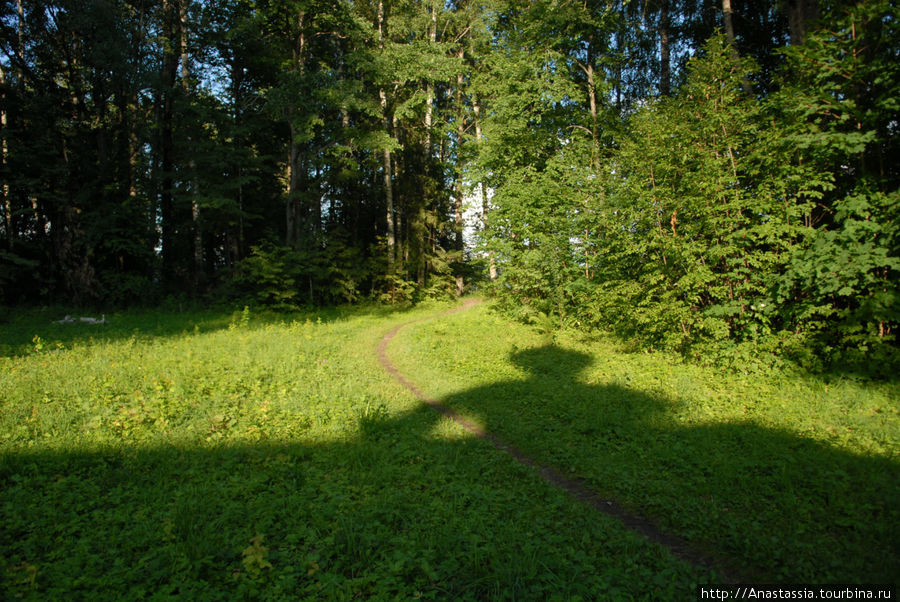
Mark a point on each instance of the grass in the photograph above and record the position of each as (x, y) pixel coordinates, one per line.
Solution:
(796, 478)
(219, 455)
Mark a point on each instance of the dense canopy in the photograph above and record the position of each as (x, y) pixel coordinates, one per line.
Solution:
(701, 175)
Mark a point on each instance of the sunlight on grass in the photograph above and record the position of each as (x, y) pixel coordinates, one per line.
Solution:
(796, 475)
(274, 458)
(447, 429)
(272, 381)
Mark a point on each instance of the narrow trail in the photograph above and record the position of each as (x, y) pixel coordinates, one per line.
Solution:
(728, 569)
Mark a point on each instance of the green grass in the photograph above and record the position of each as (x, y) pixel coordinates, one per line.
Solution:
(798, 478)
(227, 455)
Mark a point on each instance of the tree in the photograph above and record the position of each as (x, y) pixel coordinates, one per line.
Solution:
(839, 123)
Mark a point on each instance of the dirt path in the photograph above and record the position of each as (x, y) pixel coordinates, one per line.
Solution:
(728, 570)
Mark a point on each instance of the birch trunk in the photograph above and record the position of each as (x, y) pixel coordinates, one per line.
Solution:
(665, 78)
(592, 102)
(727, 16)
(4, 191)
(458, 202)
(167, 202)
(492, 266)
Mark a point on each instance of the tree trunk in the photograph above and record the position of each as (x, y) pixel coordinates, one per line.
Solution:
(727, 16)
(458, 201)
(4, 190)
(167, 164)
(592, 104)
(291, 216)
(197, 272)
(422, 228)
(801, 12)
(296, 160)
(133, 117)
(492, 266)
(19, 71)
(665, 83)
(429, 86)
(20, 50)
(620, 42)
(388, 185)
(237, 75)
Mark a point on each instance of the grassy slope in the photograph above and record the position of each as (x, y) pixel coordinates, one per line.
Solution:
(175, 455)
(799, 478)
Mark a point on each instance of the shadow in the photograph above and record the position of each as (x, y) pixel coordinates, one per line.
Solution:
(17, 333)
(403, 508)
(17, 336)
(790, 508)
(406, 506)
(879, 363)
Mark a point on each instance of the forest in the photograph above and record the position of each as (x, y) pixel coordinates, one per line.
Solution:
(449, 299)
(714, 177)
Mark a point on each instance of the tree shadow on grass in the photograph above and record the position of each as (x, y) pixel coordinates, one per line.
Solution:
(17, 335)
(792, 508)
(404, 507)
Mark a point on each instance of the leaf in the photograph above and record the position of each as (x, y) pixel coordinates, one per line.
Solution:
(255, 556)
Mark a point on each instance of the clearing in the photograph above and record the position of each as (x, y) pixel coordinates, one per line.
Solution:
(243, 455)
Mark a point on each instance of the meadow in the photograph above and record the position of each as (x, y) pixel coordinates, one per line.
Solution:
(231, 454)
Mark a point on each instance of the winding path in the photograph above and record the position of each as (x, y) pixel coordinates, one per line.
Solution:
(726, 568)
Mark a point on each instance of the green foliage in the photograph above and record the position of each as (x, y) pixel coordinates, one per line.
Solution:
(441, 287)
(847, 273)
(692, 241)
(270, 461)
(397, 290)
(796, 491)
(271, 274)
(126, 289)
(531, 233)
(283, 278)
(731, 228)
(842, 282)
(255, 554)
(154, 149)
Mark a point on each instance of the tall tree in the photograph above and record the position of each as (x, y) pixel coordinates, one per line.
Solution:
(801, 13)
(381, 24)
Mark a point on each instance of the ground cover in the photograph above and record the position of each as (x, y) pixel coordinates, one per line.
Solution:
(795, 477)
(230, 455)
